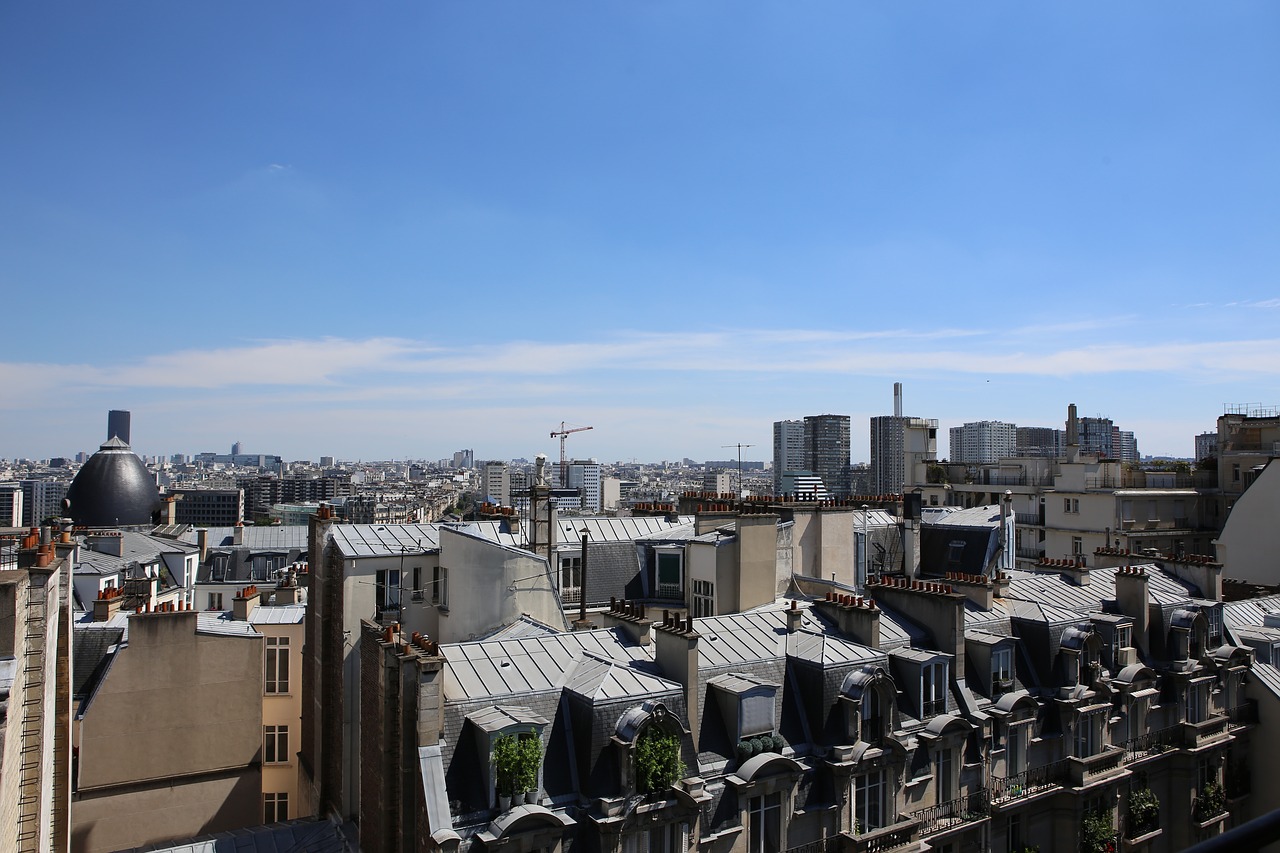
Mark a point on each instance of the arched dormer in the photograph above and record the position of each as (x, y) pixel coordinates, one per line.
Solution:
(868, 695)
(526, 829)
(649, 728)
(1081, 655)
(1188, 635)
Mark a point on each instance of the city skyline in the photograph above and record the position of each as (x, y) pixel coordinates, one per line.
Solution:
(318, 230)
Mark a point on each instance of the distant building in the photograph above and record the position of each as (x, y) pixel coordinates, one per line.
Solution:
(326, 461)
(1039, 442)
(1206, 445)
(1124, 446)
(464, 459)
(826, 447)
(898, 445)
(209, 507)
(584, 475)
(788, 451)
(11, 504)
(42, 499)
(118, 425)
(495, 483)
(1095, 436)
(984, 442)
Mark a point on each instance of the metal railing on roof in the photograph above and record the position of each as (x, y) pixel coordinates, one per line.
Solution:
(962, 810)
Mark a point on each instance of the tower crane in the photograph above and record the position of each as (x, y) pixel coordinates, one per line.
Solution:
(563, 433)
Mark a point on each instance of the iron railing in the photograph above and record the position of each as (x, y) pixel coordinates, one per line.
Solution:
(1244, 714)
(1028, 782)
(887, 838)
(973, 807)
(1152, 743)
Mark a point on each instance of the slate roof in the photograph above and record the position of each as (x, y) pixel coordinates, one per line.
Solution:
(1051, 589)
(1247, 617)
(90, 648)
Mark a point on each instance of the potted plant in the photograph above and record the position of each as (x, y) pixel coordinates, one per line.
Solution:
(506, 759)
(1144, 812)
(658, 763)
(1097, 835)
(1210, 802)
(530, 759)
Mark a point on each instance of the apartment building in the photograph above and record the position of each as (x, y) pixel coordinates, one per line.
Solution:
(209, 507)
(826, 448)
(983, 442)
(901, 448)
(788, 453)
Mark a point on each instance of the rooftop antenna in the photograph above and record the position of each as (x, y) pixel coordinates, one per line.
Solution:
(739, 445)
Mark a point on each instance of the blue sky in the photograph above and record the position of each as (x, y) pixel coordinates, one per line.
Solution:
(401, 229)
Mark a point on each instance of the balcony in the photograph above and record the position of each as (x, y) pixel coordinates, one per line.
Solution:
(962, 811)
(1152, 743)
(1094, 768)
(1196, 735)
(1005, 789)
(1034, 519)
(899, 836)
(1242, 715)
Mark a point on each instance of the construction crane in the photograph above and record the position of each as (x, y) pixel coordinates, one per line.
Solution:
(564, 432)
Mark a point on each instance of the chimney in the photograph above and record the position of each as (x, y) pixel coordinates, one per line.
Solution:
(66, 526)
(794, 616)
(1073, 434)
(630, 617)
(287, 593)
(977, 588)
(239, 534)
(202, 539)
(245, 603)
(1205, 573)
(897, 399)
(170, 509)
(676, 653)
(854, 616)
(933, 605)
(1134, 600)
(107, 604)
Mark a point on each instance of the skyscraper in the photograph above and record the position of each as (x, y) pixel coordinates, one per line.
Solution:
(826, 443)
(898, 444)
(788, 451)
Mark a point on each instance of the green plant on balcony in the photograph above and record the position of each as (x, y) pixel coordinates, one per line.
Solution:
(1144, 812)
(1097, 835)
(530, 759)
(1210, 802)
(506, 761)
(658, 763)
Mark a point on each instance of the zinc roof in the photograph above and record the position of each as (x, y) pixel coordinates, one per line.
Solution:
(222, 623)
(271, 537)
(278, 614)
(602, 678)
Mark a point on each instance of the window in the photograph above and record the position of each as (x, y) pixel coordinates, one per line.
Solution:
(1071, 505)
(933, 690)
(1124, 636)
(669, 838)
(870, 801)
(571, 579)
(417, 583)
(1126, 510)
(765, 813)
(388, 586)
(670, 575)
(1015, 756)
(1013, 834)
(1206, 772)
(215, 601)
(440, 586)
(944, 776)
(275, 808)
(1088, 738)
(277, 665)
(275, 747)
(704, 599)
(1001, 671)
(872, 714)
(955, 552)
(1196, 703)
(1213, 616)
(1077, 546)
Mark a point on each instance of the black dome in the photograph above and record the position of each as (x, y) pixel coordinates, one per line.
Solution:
(113, 488)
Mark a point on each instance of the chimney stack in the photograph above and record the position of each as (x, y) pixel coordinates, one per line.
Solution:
(897, 399)
(245, 603)
(676, 653)
(1134, 600)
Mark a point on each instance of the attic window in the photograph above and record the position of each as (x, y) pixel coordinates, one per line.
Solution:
(955, 552)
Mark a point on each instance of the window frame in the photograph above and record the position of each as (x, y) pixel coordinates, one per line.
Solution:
(275, 666)
(933, 689)
(668, 590)
(871, 789)
(275, 745)
(275, 806)
(759, 832)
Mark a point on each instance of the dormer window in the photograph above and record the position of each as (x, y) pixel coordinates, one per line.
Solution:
(933, 689)
(746, 704)
(1088, 735)
(1213, 616)
(669, 572)
(1001, 671)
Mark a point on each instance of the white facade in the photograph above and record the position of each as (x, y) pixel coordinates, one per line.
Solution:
(788, 451)
(495, 483)
(585, 475)
(984, 442)
(10, 504)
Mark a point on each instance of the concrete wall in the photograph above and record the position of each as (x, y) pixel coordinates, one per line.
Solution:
(170, 746)
(1249, 547)
(757, 560)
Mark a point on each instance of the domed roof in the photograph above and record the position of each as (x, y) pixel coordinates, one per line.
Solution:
(113, 488)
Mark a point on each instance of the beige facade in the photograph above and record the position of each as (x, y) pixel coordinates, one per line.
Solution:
(169, 744)
(34, 720)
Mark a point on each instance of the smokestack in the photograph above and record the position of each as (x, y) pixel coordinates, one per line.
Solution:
(897, 399)
(1073, 425)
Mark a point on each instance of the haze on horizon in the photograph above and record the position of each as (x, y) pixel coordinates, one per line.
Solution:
(321, 229)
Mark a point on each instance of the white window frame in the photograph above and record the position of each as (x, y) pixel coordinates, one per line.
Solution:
(1001, 668)
(215, 601)
(704, 599)
(933, 689)
(571, 578)
(871, 804)
(275, 668)
(387, 589)
(668, 590)
(761, 837)
(275, 807)
(440, 586)
(275, 745)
